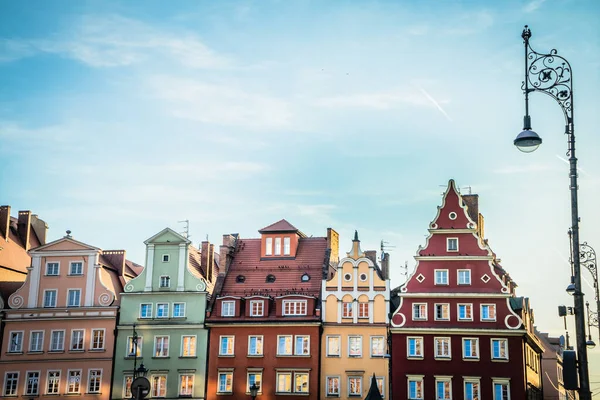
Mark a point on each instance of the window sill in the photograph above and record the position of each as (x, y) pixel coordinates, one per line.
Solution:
(97, 393)
(53, 276)
(160, 358)
(56, 351)
(224, 393)
(355, 356)
(14, 353)
(76, 351)
(132, 357)
(72, 394)
(501, 360)
(75, 275)
(227, 355)
(290, 394)
(187, 357)
(255, 356)
(97, 350)
(333, 356)
(415, 357)
(470, 359)
(35, 352)
(488, 320)
(465, 320)
(438, 358)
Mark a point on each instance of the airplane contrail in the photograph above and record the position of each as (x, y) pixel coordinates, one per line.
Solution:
(567, 161)
(435, 103)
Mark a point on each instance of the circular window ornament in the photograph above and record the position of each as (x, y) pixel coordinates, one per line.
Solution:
(347, 277)
(363, 277)
(452, 215)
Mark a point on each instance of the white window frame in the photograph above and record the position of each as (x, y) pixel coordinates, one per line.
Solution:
(228, 305)
(360, 346)
(55, 298)
(92, 337)
(328, 391)
(69, 391)
(163, 353)
(382, 386)
(277, 249)
(416, 379)
(359, 379)
(69, 291)
(256, 373)
(268, 246)
(287, 246)
(141, 316)
(40, 341)
(227, 337)
(71, 263)
(166, 258)
(439, 355)
(298, 305)
(371, 339)
(164, 282)
(304, 339)
(417, 355)
(140, 343)
(500, 381)
(259, 351)
(62, 342)
(464, 348)
(152, 380)
(476, 382)
(435, 277)
(48, 263)
(166, 307)
(435, 308)
(182, 306)
(71, 347)
(361, 308)
(291, 338)
(180, 384)
(339, 345)
(448, 241)
(98, 377)
(260, 307)
(14, 385)
(466, 318)
(458, 275)
(55, 388)
(347, 309)
(293, 374)
(36, 392)
(491, 306)
(127, 386)
(19, 348)
(193, 338)
(226, 374)
(422, 307)
(502, 341)
(444, 380)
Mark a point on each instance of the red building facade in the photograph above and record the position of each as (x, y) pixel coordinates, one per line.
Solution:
(264, 316)
(457, 330)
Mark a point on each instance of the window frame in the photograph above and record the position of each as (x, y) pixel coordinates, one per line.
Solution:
(180, 380)
(417, 355)
(503, 382)
(225, 305)
(464, 348)
(49, 379)
(14, 386)
(155, 349)
(466, 318)
(419, 317)
(18, 350)
(127, 381)
(41, 342)
(46, 291)
(448, 241)
(69, 291)
(152, 387)
(48, 263)
(287, 246)
(347, 309)
(417, 379)
(139, 345)
(166, 258)
(92, 339)
(444, 380)
(259, 338)
(492, 306)
(358, 379)
(291, 338)
(328, 392)
(268, 246)
(62, 342)
(446, 274)
(298, 307)
(260, 305)
(182, 305)
(71, 263)
(227, 338)
(439, 339)
(277, 246)
(305, 339)
(383, 352)
(248, 384)
(164, 279)
(158, 308)
(150, 308)
(476, 382)
(229, 374)
(69, 371)
(26, 391)
(458, 277)
(98, 378)
(503, 341)
(435, 307)
(360, 346)
(362, 308)
(339, 346)
(81, 341)
(194, 339)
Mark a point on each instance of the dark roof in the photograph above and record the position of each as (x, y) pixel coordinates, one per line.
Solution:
(279, 226)
(374, 393)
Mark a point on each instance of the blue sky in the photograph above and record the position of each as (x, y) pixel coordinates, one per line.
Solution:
(120, 118)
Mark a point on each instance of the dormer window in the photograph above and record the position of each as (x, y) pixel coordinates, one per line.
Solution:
(286, 246)
(165, 258)
(270, 279)
(268, 246)
(305, 278)
(278, 246)
(240, 279)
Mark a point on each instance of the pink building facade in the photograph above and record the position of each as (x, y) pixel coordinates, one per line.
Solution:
(59, 330)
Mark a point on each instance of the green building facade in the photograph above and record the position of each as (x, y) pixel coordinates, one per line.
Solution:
(166, 306)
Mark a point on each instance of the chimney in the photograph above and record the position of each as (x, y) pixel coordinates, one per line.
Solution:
(211, 263)
(23, 228)
(333, 243)
(4, 221)
(204, 264)
(40, 227)
(385, 266)
(371, 255)
(226, 251)
(472, 202)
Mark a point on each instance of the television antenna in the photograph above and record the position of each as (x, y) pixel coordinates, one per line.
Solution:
(186, 228)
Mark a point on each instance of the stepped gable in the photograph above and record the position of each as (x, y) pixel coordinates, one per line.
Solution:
(287, 272)
(452, 202)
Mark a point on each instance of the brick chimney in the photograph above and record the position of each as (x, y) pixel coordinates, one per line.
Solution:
(371, 255)
(4, 221)
(472, 202)
(207, 258)
(24, 228)
(211, 263)
(385, 266)
(226, 250)
(40, 227)
(333, 243)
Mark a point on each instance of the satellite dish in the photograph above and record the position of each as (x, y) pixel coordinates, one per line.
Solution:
(140, 387)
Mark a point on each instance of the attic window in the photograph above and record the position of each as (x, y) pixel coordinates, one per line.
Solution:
(305, 278)
(165, 258)
(270, 278)
(240, 279)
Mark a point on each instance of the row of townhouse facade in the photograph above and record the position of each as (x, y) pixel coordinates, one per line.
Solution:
(283, 313)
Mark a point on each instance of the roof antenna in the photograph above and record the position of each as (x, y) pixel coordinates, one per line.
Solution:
(385, 247)
(468, 188)
(186, 228)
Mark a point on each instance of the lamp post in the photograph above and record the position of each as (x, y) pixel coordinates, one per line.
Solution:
(253, 391)
(551, 74)
(588, 260)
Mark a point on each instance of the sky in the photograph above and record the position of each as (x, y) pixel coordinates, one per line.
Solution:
(118, 119)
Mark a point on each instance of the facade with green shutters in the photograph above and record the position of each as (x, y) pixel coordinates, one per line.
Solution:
(166, 306)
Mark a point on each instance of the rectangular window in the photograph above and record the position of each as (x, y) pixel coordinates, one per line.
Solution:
(16, 342)
(443, 388)
(50, 298)
(465, 312)
(442, 312)
(377, 346)
(162, 310)
(333, 386)
(501, 390)
(464, 276)
(292, 382)
(76, 268)
(452, 244)
(94, 381)
(284, 345)
(186, 385)
(74, 382)
(53, 383)
(178, 310)
(499, 349)
(268, 246)
(127, 381)
(441, 276)
(294, 307)
(188, 346)
(471, 389)
(415, 388)
(225, 382)
(347, 308)
(97, 339)
(77, 339)
(11, 381)
(257, 308)
(32, 386)
(354, 386)
(415, 347)
(333, 346)
(146, 310)
(442, 347)
(286, 246)
(227, 308)
(277, 246)
(354, 346)
(419, 312)
(165, 281)
(74, 298)
(363, 310)
(302, 345)
(158, 385)
(471, 348)
(488, 312)
(165, 258)
(380, 384)
(226, 347)
(255, 345)
(161, 346)
(284, 382)
(134, 347)
(52, 269)
(254, 378)
(57, 341)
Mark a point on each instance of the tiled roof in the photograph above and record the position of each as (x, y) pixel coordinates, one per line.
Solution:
(287, 272)
(279, 226)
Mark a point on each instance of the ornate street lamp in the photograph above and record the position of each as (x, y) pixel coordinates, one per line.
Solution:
(551, 74)
(253, 391)
(588, 260)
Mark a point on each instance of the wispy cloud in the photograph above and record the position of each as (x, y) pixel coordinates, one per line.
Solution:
(518, 169)
(470, 23)
(384, 100)
(533, 5)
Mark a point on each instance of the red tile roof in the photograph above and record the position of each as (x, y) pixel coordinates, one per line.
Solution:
(287, 272)
(279, 226)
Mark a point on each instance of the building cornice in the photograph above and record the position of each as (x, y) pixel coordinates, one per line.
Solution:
(456, 331)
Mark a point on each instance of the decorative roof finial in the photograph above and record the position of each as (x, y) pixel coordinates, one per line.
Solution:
(68, 234)
(356, 236)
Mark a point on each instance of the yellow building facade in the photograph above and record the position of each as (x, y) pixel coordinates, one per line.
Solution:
(355, 327)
